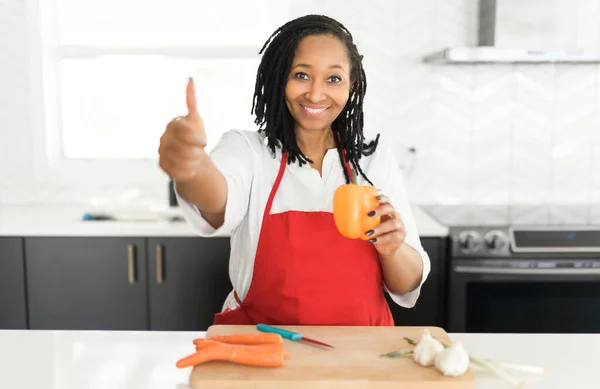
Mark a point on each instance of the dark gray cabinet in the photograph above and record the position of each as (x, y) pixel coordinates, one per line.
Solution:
(86, 283)
(429, 309)
(188, 281)
(165, 284)
(13, 313)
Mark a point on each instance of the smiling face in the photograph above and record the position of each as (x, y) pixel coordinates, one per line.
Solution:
(318, 84)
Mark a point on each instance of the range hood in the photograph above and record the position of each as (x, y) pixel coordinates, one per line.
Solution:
(523, 31)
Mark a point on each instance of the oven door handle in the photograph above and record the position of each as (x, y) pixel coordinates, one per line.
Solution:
(526, 272)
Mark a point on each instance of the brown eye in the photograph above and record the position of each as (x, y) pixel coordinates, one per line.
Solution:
(301, 75)
(335, 79)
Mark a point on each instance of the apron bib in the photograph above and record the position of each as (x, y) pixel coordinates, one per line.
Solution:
(307, 273)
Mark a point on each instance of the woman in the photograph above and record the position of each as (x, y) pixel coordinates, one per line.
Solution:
(272, 190)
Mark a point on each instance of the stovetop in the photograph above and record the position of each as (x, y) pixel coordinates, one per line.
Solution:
(504, 241)
(513, 230)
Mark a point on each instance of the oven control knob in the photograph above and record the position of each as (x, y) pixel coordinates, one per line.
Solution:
(469, 241)
(495, 240)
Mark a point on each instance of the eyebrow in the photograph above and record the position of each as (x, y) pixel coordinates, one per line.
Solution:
(304, 65)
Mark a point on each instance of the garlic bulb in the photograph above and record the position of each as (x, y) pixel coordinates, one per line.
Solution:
(453, 361)
(427, 349)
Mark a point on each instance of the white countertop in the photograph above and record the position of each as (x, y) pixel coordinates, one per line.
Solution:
(146, 360)
(56, 221)
(53, 222)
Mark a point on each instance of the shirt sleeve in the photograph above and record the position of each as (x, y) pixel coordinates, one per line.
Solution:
(393, 187)
(234, 158)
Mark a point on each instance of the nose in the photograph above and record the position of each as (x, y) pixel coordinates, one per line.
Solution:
(316, 92)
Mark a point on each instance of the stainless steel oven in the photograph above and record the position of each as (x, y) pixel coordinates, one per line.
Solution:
(524, 280)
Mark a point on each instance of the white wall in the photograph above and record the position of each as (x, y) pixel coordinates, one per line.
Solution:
(485, 134)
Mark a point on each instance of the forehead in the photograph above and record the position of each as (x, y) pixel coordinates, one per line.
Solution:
(322, 51)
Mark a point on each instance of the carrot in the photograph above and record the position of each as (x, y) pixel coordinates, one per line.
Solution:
(263, 356)
(212, 343)
(205, 343)
(249, 339)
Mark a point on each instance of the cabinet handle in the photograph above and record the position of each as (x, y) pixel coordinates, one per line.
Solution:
(159, 264)
(131, 263)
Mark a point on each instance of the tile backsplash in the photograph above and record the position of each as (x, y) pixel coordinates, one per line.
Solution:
(484, 134)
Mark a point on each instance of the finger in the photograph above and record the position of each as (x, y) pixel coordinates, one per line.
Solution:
(182, 151)
(382, 210)
(182, 132)
(394, 237)
(190, 99)
(175, 149)
(386, 227)
(383, 199)
(188, 137)
(177, 140)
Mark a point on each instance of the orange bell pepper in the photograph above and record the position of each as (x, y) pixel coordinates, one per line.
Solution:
(351, 204)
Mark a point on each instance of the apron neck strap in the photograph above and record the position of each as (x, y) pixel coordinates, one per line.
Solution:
(344, 157)
(276, 184)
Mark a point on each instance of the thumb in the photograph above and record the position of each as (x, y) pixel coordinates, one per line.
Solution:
(190, 100)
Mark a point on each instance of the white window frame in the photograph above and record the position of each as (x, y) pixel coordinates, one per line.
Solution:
(50, 165)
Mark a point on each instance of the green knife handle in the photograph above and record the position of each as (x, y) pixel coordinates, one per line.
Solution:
(284, 333)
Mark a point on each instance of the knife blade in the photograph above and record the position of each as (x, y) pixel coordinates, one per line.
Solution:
(291, 335)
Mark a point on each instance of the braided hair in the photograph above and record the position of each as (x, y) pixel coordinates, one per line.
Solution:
(268, 103)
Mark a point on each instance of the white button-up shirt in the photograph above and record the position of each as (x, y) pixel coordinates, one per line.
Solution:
(250, 171)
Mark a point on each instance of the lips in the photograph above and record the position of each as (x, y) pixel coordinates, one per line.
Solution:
(314, 111)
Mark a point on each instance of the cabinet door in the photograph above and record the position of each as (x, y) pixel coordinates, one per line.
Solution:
(86, 283)
(12, 284)
(429, 309)
(189, 281)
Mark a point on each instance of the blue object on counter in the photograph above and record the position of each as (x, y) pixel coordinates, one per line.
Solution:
(284, 333)
(295, 336)
(95, 217)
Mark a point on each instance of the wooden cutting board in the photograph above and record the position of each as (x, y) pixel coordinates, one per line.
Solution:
(355, 362)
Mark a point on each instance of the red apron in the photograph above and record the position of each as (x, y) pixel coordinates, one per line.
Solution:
(307, 273)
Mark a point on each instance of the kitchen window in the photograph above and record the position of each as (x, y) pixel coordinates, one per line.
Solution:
(112, 74)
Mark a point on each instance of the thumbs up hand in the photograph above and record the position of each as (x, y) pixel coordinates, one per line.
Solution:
(181, 151)
(193, 119)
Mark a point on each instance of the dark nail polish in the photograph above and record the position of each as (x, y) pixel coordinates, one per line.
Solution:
(369, 233)
(373, 240)
(372, 213)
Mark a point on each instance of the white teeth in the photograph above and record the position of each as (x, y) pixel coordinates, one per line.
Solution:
(311, 110)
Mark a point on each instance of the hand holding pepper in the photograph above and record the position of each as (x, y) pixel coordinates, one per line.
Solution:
(389, 235)
(360, 212)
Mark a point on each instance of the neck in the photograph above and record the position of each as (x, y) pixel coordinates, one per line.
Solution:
(314, 144)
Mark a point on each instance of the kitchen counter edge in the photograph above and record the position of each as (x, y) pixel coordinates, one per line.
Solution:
(68, 222)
